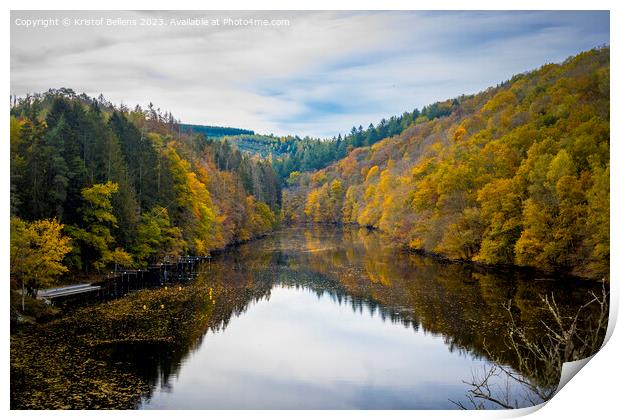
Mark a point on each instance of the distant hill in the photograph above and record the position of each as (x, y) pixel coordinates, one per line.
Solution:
(247, 141)
(214, 131)
(293, 153)
(262, 145)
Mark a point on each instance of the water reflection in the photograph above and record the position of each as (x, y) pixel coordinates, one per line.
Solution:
(338, 318)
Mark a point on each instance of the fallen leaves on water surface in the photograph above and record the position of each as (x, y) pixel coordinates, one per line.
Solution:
(62, 364)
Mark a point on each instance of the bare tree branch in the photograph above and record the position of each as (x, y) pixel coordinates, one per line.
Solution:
(539, 363)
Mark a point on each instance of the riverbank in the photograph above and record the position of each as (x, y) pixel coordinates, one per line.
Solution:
(35, 310)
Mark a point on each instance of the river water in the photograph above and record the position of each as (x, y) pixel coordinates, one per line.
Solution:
(339, 318)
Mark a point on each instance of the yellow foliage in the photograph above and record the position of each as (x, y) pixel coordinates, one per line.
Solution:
(37, 251)
(459, 133)
(372, 173)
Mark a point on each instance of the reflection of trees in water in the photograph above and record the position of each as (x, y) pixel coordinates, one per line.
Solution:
(157, 364)
(462, 303)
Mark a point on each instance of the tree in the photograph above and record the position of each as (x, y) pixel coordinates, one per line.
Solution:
(37, 252)
(261, 218)
(598, 225)
(193, 207)
(335, 201)
(500, 209)
(156, 237)
(17, 162)
(313, 209)
(95, 236)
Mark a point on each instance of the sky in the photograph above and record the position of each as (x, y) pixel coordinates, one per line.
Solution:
(318, 73)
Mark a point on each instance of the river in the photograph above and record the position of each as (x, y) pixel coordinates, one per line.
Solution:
(338, 318)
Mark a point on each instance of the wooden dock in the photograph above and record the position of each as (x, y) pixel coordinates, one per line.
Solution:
(119, 283)
(67, 291)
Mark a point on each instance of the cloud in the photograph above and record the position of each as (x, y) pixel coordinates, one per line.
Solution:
(319, 76)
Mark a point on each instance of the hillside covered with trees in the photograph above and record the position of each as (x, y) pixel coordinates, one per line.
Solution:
(296, 154)
(95, 186)
(517, 174)
(309, 154)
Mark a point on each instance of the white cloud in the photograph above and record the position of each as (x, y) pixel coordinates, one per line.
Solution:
(321, 75)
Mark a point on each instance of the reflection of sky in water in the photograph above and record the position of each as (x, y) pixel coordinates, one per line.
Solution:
(301, 351)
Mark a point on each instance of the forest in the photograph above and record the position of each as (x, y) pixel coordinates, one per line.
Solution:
(515, 175)
(214, 131)
(94, 186)
(502, 177)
